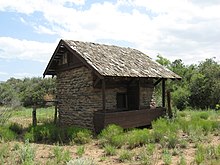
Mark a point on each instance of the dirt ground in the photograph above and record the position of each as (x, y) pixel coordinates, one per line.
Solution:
(44, 153)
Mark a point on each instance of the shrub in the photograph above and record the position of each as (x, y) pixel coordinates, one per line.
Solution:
(6, 134)
(204, 115)
(49, 132)
(125, 155)
(26, 153)
(110, 131)
(109, 150)
(200, 154)
(183, 143)
(182, 160)
(212, 152)
(80, 151)
(82, 137)
(72, 132)
(61, 156)
(172, 141)
(137, 137)
(146, 154)
(118, 140)
(17, 128)
(166, 156)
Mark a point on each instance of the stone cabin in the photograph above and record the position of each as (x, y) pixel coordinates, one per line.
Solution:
(101, 84)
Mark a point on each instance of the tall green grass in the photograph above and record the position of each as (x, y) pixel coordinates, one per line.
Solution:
(50, 133)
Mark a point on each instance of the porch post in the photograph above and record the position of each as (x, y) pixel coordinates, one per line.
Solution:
(169, 110)
(55, 113)
(163, 92)
(139, 92)
(103, 95)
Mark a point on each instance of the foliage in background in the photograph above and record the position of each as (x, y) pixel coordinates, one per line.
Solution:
(200, 84)
(26, 92)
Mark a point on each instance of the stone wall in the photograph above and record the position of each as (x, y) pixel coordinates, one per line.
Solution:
(146, 95)
(78, 99)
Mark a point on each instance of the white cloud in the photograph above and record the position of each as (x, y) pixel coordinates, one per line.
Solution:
(23, 49)
(22, 75)
(177, 29)
(3, 73)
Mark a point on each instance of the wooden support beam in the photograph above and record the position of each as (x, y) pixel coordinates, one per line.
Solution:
(34, 117)
(103, 96)
(163, 92)
(169, 110)
(55, 113)
(139, 92)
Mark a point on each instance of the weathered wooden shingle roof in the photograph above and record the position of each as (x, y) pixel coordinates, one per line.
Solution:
(109, 60)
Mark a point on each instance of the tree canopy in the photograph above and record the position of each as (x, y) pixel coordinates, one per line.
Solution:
(200, 84)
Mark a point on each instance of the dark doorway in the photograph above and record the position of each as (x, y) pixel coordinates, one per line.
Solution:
(133, 97)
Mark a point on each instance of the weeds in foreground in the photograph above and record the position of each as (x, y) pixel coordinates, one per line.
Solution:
(80, 151)
(61, 156)
(83, 136)
(166, 156)
(125, 155)
(146, 155)
(109, 150)
(3, 152)
(82, 161)
(138, 137)
(26, 153)
(182, 160)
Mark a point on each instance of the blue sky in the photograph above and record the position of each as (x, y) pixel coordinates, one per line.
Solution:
(30, 30)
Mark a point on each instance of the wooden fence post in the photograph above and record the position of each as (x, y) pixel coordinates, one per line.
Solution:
(169, 110)
(34, 117)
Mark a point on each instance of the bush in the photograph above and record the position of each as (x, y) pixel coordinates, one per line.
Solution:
(204, 115)
(138, 137)
(125, 155)
(118, 140)
(6, 134)
(82, 137)
(17, 128)
(172, 141)
(166, 156)
(110, 131)
(109, 150)
(80, 151)
(200, 154)
(51, 133)
(26, 153)
(61, 156)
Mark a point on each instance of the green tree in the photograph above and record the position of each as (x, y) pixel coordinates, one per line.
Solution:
(205, 85)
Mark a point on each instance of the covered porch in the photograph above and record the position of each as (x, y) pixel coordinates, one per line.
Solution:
(128, 113)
